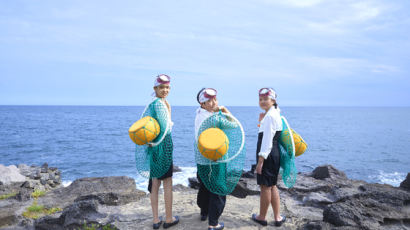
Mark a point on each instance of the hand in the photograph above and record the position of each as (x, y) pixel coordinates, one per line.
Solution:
(223, 109)
(261, 116)
(259, 168)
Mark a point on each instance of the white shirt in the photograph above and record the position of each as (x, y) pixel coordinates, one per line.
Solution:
(269, 125)
(201, 115)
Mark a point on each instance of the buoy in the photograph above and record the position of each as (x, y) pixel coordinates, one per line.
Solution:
(144, 130)
(213, 144)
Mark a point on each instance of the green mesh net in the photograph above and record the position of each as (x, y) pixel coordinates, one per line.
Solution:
(154, 161)
(221, 176)
(287, 155)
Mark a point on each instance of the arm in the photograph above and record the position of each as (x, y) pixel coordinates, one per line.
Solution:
(269, 131)
(224, 109)
(268, 134)
(227, 122)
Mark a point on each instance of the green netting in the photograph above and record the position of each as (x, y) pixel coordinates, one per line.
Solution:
(221, 176)
(287, 155)
(154, 161)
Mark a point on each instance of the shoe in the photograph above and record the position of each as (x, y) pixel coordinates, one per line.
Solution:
(261, 222)
(221, 226)
(176, 221)
(204, 217)
(279, 223)
(157, 225)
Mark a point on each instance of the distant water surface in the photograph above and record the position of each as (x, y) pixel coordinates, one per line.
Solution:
(367, 143)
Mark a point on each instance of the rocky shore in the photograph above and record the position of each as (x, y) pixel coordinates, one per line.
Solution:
(31, 197)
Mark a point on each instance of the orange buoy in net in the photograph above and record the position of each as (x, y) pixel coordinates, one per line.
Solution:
(213, 144)
(300, 144)
(144, 130)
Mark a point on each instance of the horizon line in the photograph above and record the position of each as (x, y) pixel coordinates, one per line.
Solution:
(369, 106)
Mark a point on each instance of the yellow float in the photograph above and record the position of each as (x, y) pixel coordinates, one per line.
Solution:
(144, 130)
(213, 144)
(299, 143)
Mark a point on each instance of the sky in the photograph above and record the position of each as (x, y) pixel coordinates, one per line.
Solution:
(312, 52)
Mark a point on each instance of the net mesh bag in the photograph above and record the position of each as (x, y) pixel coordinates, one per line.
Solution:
(221, 176)
(154, 161)
(287, 155)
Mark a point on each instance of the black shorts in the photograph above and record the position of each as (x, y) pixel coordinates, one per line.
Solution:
(271, 165)
(169, 173)
(270, 171)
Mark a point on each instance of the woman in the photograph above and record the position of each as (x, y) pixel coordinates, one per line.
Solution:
(268, 157)
(211, 204)
(162, 88)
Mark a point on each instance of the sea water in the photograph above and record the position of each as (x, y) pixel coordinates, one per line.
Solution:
(367, 143)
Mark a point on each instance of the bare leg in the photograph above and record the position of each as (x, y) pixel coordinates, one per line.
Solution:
(265, 200)
(276, 203)
(154, 199)
(168, 199)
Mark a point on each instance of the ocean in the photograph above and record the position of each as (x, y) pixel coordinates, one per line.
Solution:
(367, 143)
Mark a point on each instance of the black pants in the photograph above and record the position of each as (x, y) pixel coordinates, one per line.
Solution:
(210, 204)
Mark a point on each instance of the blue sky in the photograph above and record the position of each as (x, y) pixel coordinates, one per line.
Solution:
(313, 52)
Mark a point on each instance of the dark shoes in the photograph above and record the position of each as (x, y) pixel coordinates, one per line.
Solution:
(221, 226)
(157, 225)
(261, 222)
(176, 221)
(279, 223)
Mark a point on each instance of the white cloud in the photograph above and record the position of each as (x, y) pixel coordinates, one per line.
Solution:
(365, 11)
(345, 15)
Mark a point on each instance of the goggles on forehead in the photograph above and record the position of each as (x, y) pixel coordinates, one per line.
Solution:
(163, 79)
(206, 94)
(209, 93)
(267, 92)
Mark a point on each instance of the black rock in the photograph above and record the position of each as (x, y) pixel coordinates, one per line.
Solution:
(44, 168)
(43, 182)
(176, 169)
(327, 171)
(241, 190)
(37, 174)
(116, 190)
(406, 183)
(109, 198)
(372, 208)
(49, 222)
(73, 217)
(24, 194)
(75, 214)
(53, 169)
(8, 216)
(249, 174)
(253, 168)
(193, 182)
(316, 225)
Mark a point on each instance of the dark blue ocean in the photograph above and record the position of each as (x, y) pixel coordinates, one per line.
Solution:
(367, 143)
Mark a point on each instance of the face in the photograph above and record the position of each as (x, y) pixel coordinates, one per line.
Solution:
(211, 105)
(265, 102)
(162, 91)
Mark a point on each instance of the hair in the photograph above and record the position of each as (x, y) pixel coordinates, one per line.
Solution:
(275, 104)
(197, 96)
